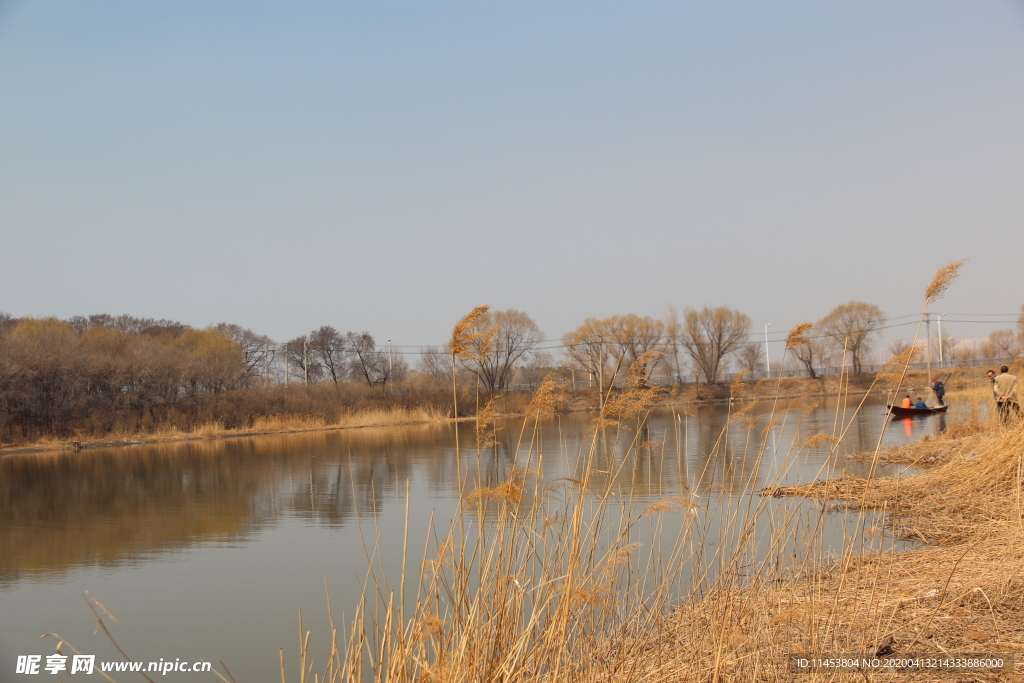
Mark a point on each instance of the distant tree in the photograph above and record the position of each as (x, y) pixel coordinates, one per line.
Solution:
(1004, 344)
(636, 335)
(750, 357)
(7, 324)
(897, 347)
(673, 339)
(499, 340)
(533, 372)
(256, 348)
(329, 349)
(216, 361)
(300, 363)
(605, 347)
(853, 326)
(366, 362)
(46, 376)
(810, 348)
(434, 363)
(710, 334)
(591, 348)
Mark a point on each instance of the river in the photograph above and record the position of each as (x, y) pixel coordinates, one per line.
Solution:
(207, 550)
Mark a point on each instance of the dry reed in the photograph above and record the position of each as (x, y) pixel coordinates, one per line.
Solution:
(558, 590)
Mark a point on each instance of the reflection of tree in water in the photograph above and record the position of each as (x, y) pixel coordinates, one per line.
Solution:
(107, 506)
(726, 456)
(110, 506)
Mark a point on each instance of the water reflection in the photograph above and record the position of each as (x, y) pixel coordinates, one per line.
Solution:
(106, 507)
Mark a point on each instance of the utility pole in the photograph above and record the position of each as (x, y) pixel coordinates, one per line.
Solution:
(600, 378)
(305, 363)
(284, 358)
(767, 361)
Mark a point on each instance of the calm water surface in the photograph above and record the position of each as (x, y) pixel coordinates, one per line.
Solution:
(208, 550)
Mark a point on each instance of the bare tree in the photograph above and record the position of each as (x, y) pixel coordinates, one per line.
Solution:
(299, 363)
(750, 357)
(853, 326)
(635, 336)
(366, 362)
(536, 369)
(1004, 344)
(591, 347)
(710, 334)
(435, 364)
(256, 348)
(329, 349)
(814, 351)
(499, 341)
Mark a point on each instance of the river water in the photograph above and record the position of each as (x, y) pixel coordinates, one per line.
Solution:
(208, 550)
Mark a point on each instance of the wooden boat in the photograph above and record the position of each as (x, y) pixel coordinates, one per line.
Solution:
(912, 412)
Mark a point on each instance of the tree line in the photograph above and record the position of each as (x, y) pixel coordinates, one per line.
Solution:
(99, 373)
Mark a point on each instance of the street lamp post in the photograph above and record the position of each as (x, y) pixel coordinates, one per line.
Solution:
(767, 361)
(940, 340)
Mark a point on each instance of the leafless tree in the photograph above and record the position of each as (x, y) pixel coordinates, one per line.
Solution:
(533, 372)
(366, 362)
(257, 349)
(710, 334)
(853, 326)
(329, 349)
(636, 335)
(300, 364)
(591, 347)
(814, 351)
(1004, 344)
(750, 357)
(435, 363)
(493, 356)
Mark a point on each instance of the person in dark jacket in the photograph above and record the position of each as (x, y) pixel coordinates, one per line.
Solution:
(940, 390)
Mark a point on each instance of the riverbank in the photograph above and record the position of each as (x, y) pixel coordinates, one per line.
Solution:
(512, 405)
(961, 593)
(263, 426)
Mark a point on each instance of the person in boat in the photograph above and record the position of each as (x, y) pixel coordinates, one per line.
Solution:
(921, 405)
(940, 390)
(907, 403)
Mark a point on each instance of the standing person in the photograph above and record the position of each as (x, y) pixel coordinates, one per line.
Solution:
(991, 374)
(1005, 388)
(940, 390)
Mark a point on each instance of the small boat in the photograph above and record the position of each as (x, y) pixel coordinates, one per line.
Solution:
(911, 412)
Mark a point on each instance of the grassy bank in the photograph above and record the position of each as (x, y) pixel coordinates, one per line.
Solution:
(546, 581)
(264, 425)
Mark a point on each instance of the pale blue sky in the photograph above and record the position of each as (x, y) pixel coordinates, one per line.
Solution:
(387, 166)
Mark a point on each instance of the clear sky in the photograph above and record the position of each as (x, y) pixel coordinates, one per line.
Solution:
(387, 166)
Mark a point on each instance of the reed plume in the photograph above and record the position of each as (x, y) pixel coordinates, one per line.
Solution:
(945, 275)
(461, 346)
